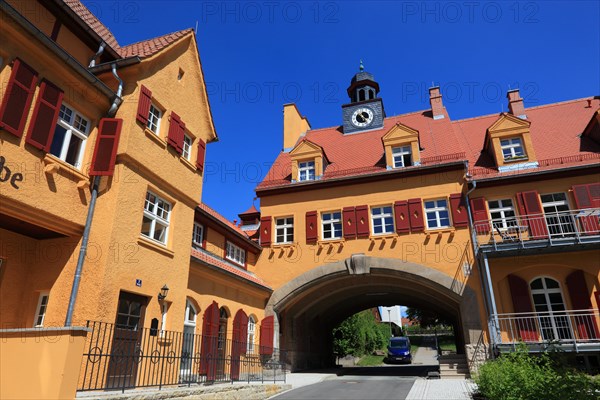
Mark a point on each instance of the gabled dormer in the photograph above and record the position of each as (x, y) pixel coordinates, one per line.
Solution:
(508, 141)
(401, 146)
(308, 161)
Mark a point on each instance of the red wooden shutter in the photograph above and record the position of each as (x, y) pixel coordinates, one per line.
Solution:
(311, 227)
(401, 216)
(460, 218)
(45, 114)
(588, 196)
(144, 105)
(210, 335)
(239, 342)
(535, 214)
(519, 290)
(362, 221)
(176, 132)
(265, 231)
(580, 300)
(415, 210)
(595, 194)
(201, 153)
(266, 335)
(349, 222)
(105, 152)
(17, 98)
(480, 216)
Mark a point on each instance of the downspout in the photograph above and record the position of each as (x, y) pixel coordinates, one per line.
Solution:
(90, 215)
(98, 54)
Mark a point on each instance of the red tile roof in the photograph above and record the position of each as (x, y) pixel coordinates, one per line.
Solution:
(218, 263)
(555, 130)
(90, 19)
(222, 219)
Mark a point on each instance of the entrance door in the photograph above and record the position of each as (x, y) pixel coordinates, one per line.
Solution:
(126, 344)
(558, 218)
(187, 374)
(222, 343)
(547, 299)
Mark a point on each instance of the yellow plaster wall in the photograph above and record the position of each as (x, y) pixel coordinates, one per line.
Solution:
(294, 125)
(35, 13)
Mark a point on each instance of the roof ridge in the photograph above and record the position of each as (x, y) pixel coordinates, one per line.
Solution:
(386, 118)
(158, 37)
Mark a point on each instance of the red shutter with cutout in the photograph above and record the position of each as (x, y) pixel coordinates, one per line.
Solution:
(210, 336)
(144, 105)
(176, 131)
(266, 335)
(17, 98)
(105, 152)
(480, 216)
(536, 221)
(580, 300)
(519, 290)
(349, 222)
(311, 227)
(401, 216)
(265, 231)
(415, 210)
(45, 114)
(460, 218)
(587, 196)
(239, 342)
(362, 221)
(201, 154)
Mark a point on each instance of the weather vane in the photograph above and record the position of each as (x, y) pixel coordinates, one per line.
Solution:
(362, 67)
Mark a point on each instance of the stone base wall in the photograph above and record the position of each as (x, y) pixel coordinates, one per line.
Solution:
(477, 355)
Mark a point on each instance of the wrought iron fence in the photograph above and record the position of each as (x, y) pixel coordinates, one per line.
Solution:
(117, 359)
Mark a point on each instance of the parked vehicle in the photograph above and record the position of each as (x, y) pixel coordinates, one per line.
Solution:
(399, 350)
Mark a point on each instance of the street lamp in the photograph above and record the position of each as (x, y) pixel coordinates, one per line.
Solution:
(390, 320)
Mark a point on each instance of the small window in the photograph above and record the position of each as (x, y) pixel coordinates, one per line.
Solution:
(154, 117)
(70, 136)
(512, 149)
(190, 313)
(331, 224)
(284, 230)
(187, 147)
(437, 214)
(361, 95)
(163, 323)
(502, 214)
(306, 171)
(383, 220)
(40, 312)
(402, 156)
(251, 333)
(236, 254)
(198, 236)
(155, 222)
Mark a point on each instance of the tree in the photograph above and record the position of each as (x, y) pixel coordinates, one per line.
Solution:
(427, 319)
(359, 334)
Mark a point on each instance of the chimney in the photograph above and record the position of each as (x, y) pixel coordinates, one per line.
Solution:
(515, 104)
(294, 126)
(435, 99)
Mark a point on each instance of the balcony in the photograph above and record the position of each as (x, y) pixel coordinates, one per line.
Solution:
(569, 330)
(579, 228)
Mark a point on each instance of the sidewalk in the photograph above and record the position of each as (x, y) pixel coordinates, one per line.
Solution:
(441, 389)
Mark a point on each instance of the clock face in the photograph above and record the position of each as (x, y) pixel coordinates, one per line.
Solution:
(362, 117)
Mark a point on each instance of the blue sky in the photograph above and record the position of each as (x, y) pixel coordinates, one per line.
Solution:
(259, 55)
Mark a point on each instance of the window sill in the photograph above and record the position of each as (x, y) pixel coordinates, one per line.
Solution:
(151, 244)
(440, 231)
(325, 242)
(383, 236)
(516, 159)
(155, 137)
(54, 164)
(188, 164)
(283, 245)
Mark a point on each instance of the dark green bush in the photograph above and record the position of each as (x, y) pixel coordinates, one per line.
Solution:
(521, 376)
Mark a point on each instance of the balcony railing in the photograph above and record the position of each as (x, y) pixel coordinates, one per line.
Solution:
(576, 327)
(539, 230)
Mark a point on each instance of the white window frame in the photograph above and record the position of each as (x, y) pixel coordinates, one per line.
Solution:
(186, 320)
(72, 130)
(251, 334)
(40, 311)
(381, 217)
(155, 218)
(164, 309)
(195, 236)
(154, 117)
(504, 209)
(304, 171)
(512, 144)
(288, 224)
(332, 222)
(186, 151)
(235, 253)
(398, 154)
(436, 210)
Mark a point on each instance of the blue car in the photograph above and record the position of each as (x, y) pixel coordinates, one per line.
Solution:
(399, 350)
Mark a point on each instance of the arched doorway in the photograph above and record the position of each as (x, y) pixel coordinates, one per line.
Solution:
(549, 304)
(188, 346)
(222, 342)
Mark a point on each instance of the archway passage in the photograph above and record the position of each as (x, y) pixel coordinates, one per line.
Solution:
(310, 306)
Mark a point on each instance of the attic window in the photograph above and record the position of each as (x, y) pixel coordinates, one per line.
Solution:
(402, 156)
(306, 171)
(512, 149)
(180, 75)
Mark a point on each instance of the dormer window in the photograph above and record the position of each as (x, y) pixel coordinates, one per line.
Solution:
(306, 171)
(512, 149)
(402, 156)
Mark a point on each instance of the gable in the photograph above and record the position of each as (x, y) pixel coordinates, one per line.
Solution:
(306, 148)
(399, 133)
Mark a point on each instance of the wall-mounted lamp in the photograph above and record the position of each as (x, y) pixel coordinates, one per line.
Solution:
(163, 292)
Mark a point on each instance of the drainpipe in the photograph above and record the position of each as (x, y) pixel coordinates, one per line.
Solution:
(88, 222)
(98, 54)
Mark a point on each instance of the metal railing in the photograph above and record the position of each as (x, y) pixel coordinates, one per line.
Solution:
(119, 359)
(569, 326)
(556, 228)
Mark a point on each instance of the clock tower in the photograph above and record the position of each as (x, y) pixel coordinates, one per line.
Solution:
(365, 110)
